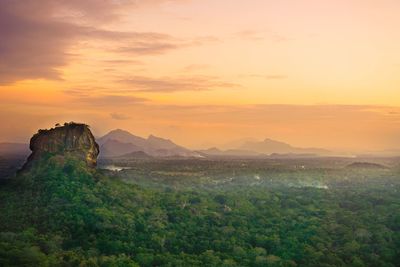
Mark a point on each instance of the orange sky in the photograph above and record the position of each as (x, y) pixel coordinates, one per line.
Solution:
(307, 72)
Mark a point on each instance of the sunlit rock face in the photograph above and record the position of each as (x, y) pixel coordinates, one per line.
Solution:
(72, 140)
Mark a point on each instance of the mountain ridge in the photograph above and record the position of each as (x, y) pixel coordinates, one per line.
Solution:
(269, 146)
(118, 142)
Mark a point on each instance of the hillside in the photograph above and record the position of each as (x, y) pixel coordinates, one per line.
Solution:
(366, 165)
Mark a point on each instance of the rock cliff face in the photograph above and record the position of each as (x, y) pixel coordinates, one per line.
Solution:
(72, 139)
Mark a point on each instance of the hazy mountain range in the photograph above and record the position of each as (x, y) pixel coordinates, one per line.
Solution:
(269, 146)
(119, 143)
(123, 144)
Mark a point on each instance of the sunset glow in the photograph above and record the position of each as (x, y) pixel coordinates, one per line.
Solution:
(203, 73)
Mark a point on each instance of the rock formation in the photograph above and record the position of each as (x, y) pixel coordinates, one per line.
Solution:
(72, 140)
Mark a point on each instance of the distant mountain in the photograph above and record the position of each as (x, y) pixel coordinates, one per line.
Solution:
(17, 149)
(119, 143)
(229, 153)
(136, 155)
(293, 155)
(114, 148)
(380, 153)
(234, 144)
(212, 151)
(123, 137)
(161, 143)
(269, 146)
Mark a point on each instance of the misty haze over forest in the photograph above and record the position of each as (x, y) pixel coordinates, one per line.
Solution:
(143, 133)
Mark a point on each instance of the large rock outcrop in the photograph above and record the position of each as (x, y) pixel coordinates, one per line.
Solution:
(70, 140)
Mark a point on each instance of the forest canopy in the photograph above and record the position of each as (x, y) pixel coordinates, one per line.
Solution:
(67, 215)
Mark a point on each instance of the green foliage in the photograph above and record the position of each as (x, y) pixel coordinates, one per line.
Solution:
(62, 214)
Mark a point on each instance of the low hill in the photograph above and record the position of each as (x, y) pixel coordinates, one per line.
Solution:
(366, 165)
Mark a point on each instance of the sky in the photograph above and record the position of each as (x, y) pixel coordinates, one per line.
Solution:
(310, 73)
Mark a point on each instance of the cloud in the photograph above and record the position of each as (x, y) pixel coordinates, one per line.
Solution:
(156, 43)
(122, 61)
(77, 93)
(168, 84)
(31, 47)
(147, 48)
(112, 100)
(37, 36)
(136, 43)
(91, 97)
(119, 116)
